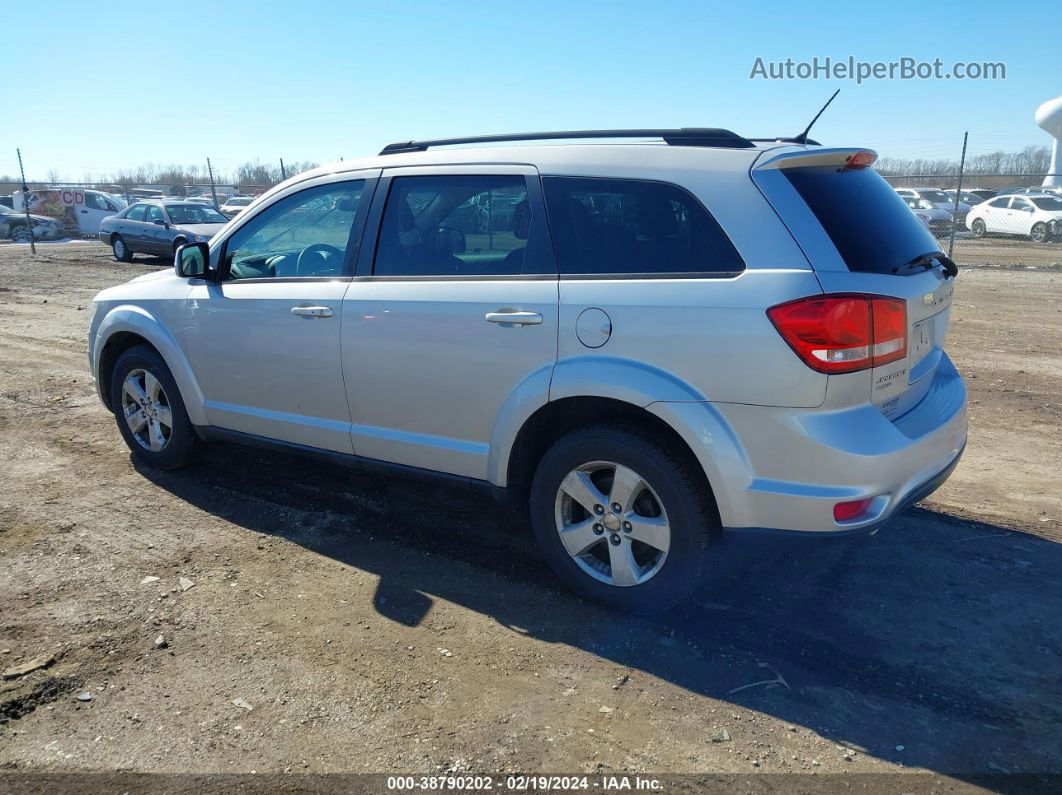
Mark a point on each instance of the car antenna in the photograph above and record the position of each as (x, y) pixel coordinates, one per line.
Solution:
(803, 137)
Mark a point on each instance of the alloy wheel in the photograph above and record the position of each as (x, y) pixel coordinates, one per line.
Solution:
(146, 410)
(612, 523)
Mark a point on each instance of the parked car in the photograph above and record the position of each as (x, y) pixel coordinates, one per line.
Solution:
(970, 197)
(235, 205)
(938, 199)
(13, 226)
(709, 333)
(1037, 190)
(938, 221)
(159, 227)
(1034, 216)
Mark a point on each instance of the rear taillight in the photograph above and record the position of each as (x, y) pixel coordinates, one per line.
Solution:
(843, 333)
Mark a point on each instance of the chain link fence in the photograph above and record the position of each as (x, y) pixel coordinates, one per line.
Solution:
(1016, 224)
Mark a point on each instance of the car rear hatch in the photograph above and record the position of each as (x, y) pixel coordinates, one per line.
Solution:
(863, 240)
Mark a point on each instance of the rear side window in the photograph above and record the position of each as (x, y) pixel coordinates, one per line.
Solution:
(136, 212)
(873, 229)
(621, 226)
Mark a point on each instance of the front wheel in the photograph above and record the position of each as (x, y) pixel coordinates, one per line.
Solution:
(21, 234)
(149, 410)
(1039, 233)
(979, 228)
(622, 518)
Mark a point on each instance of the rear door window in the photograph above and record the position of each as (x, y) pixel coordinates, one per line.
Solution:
(872, 227)
(136, 212)
(634, 227)
(459, 225)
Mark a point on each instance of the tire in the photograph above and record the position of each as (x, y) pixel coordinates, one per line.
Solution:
(1039, 233)
(122, 252)
(177, 244)
(979, 228)
(21, 234)
(672, 494)
(176, 443)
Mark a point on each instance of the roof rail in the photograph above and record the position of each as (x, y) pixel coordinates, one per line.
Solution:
(683, 136)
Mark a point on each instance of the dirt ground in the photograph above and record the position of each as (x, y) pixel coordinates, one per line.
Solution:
(342, 623)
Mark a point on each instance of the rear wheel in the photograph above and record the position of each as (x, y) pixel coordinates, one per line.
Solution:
(979, 228)
(1038, 234)
(121, 250)
(622, 518)
(149, 410)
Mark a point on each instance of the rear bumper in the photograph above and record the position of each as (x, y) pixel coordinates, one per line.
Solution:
(795, 465)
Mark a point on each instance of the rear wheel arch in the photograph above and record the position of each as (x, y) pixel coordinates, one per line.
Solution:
(557, 419)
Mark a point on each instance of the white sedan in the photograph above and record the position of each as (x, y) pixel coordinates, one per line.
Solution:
(1037, 217)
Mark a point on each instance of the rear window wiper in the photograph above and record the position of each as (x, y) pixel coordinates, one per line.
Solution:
(929, 260)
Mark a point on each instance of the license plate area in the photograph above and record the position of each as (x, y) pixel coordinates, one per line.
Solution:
(923, 341)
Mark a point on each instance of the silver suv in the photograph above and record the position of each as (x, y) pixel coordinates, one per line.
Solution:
(640, 342)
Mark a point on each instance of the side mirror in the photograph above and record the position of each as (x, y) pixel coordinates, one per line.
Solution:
(160, 222)
(192, 261)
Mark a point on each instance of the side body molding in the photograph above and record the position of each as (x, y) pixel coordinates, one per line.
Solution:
(137, 320)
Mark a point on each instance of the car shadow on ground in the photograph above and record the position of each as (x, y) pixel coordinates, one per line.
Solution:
(934, 643)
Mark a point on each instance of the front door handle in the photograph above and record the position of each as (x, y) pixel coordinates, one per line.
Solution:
(511, 317)
(312, 311)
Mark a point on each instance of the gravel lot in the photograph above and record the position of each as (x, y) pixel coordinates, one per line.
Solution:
(341, 623)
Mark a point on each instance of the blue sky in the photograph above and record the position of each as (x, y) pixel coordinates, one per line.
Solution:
(91, 87)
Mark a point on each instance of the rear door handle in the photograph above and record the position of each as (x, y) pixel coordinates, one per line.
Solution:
(514, 318)
(312, 311)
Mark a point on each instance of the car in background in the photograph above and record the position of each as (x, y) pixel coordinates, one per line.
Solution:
(159, 227)
(13, 226)
(200, 200)
(936, 220)
(1038, 217)
(235, 205)
(1034, 190)
(939, 199)
(970, 197)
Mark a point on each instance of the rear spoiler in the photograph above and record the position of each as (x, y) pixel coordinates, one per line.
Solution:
(838, 158)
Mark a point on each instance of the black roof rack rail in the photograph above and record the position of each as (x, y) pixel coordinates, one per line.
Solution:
(683, 136)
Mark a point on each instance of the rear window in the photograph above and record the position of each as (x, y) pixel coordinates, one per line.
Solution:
(634, 227)
(873, 228)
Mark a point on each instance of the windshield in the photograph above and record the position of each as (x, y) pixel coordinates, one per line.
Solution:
(871, 226)
(1048, 203)
(195, 214)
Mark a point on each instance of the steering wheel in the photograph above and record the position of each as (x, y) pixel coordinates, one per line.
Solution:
(303, 266)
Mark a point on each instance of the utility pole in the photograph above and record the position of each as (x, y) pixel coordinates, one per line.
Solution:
(213, 191)
(283, 174)
(958, 193)
(25, 203)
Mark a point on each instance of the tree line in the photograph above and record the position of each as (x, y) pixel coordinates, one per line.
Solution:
(253, 175)
(992, 170)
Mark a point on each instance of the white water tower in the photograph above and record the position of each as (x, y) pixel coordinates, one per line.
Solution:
(1049, 117)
